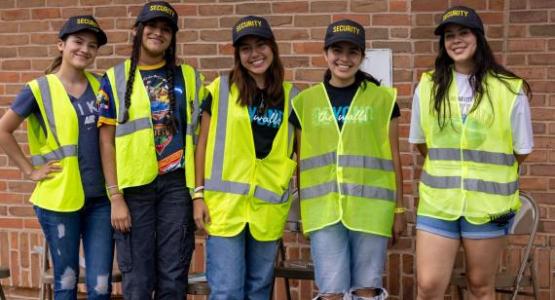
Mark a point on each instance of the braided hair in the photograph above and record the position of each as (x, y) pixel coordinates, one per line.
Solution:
(170, 59)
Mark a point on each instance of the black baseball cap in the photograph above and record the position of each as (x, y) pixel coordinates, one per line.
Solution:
(251, 25)
(80, 23)
(345, 31)
(461, 15)
(158, 9)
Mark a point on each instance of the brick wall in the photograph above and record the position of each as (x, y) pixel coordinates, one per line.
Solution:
(522, 33)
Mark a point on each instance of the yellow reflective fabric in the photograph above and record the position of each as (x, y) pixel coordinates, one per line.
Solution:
(470, 169)
(136, 160)
(239, 188)
(347, 175)
(64, 191)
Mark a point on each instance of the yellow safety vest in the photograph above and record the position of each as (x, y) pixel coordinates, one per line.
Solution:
(136, 161)
(470, 169)
(347, 175)
(64, 191)
(239, 188)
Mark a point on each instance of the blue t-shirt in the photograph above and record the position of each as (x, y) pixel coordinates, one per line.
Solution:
(88, 154)
(169, 147)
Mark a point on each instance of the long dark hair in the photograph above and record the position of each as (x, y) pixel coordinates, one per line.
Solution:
(274, 77)
(170, 59)
(484, 64)
(361, 77)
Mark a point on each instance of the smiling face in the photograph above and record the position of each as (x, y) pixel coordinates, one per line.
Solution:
(79, 49)
(460, 45)
(157, 36)
(256, 57)
(343, 60)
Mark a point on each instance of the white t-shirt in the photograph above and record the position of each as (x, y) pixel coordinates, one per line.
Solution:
(521, 123)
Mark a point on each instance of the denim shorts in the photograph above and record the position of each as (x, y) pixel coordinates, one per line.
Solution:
(461, 228)
(347, 260)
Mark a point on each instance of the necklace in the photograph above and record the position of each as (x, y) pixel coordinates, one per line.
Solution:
(261, 106)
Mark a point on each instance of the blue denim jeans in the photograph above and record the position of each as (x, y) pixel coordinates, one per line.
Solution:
(347, 260)
(240, 267)
(63, 232)
(154, 256)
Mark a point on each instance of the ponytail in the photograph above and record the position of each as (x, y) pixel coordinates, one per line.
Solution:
(55, 64)
(137, 43)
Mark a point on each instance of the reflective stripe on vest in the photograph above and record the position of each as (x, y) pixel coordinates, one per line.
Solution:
(477, 185)
(62, 152)
(215, 182)
(351, 161)
(196, 111)
(471, 155)
(58, 154)
(354, 161)
(144, 123)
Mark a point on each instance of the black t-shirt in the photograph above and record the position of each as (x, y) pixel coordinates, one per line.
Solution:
(265, 121)
(341, 98)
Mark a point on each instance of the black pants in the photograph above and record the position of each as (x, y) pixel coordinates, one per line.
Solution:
(155, 255)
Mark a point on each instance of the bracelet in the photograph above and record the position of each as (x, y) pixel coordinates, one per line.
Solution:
(112, 186)
(199, 188)
(198, 195)
(116, 193)
(400, 210)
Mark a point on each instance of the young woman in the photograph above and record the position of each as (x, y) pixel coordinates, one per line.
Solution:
(69, 199)
(244, 166)
(350, 172)
(148, 107)
(471, 121)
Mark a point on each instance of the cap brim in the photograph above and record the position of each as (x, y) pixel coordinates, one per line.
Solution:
(101, 37)
(339, 39)
(245, 33)
(441, 27)
(160, 16)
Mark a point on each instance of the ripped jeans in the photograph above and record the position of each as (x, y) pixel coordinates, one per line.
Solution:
(63, 231)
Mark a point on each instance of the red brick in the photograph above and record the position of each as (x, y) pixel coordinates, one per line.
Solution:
(428, 5)
(215, 10)
(216, 63)
(301, 21)
(391, 19)
(475, 4)
(68, 12)
(8, 52)
(11, 223)
(62, 3)
(15, 15)
(290, 34)
(398, 6)
(290, 7)
(307, 48)
(517, 4)
(528, 16)
(280, 20)
(45, 13)
(21, 211)
(361, 6)
(541, 4)
(362, 19)
(328, 6)
(7, 4)
(542, 30)
(253, 8)
(110, 11)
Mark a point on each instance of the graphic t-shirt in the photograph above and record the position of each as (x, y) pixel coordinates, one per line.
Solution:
(169, 147)
(265, 121)
(88, 154)
(340, 100)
